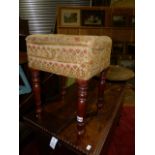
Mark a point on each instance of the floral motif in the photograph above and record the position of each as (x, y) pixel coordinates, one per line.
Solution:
(74, 56)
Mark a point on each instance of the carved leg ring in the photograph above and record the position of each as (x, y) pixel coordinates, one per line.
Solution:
(36, 91)
(81, 107)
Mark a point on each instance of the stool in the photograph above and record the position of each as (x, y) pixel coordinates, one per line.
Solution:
(74, 56)
(118, 73)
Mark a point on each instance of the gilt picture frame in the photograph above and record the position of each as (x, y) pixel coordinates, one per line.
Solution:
(70, 17)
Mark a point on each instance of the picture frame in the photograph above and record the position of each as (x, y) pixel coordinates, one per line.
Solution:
(70, 17)
(93, 17)
(119, 20)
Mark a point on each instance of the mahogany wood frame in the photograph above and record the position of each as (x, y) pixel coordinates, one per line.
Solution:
(82, 97)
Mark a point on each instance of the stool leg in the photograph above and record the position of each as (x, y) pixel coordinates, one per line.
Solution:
(63, 80)
(36, 91)
(101, 90)
(81, 107)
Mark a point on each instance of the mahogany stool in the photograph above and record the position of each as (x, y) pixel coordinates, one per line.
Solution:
(74, 56)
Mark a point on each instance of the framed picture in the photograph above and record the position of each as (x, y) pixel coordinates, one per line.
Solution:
(93, 17)
(119, 20)
(70, 17)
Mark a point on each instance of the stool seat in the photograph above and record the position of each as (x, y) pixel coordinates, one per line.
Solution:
(74, 56)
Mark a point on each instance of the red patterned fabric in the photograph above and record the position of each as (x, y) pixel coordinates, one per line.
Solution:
(74, 56)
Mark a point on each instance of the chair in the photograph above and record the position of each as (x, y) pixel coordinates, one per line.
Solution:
(75, 56)
(25, 87)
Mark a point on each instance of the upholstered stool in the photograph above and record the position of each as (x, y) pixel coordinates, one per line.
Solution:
(75, 56)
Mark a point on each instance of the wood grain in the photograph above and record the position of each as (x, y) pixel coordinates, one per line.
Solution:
(59, 119)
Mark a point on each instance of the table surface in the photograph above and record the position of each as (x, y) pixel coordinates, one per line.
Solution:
(59, 119)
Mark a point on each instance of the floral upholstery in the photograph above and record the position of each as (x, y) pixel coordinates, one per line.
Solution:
(73, 56)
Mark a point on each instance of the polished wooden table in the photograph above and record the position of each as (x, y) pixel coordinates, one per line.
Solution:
(59, 120)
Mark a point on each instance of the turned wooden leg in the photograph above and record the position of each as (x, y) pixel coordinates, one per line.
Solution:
(81, 107)
(36, 91)
(101, 90)
(63, 80)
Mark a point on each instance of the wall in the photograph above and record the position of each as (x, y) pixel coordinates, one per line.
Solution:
(41, 13)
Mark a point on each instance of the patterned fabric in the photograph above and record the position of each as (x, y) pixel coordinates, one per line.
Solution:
(73, 56)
